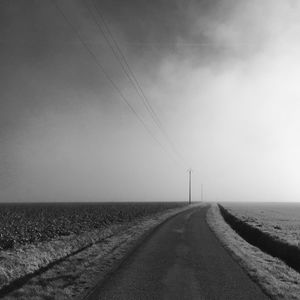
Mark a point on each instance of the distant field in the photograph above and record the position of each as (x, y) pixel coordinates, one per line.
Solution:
(29, 223)
(281, 220)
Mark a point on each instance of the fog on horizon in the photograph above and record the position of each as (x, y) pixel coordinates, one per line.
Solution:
(221, 75)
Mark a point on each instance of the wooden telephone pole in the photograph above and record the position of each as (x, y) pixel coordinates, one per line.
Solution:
(190, 186)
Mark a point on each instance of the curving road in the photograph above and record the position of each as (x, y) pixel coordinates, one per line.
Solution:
(182, 259)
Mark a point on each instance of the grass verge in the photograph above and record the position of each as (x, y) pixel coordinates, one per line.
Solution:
(276, 278)
(29, 259)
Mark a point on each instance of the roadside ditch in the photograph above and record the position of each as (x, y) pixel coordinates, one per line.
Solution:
(290, 254)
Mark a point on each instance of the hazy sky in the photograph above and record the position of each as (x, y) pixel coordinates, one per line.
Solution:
(223, 77)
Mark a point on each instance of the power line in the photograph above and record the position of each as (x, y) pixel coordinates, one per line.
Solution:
(119, 55)
(135, 82)
(108, 77)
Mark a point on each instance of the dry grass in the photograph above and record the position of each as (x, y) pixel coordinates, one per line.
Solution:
(29, 258)
(275, 278)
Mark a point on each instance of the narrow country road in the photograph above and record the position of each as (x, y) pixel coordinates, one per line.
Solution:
(181, 260)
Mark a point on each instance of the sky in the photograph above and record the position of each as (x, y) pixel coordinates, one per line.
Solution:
(221, 75)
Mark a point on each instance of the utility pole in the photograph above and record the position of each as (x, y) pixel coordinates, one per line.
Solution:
(190, 186)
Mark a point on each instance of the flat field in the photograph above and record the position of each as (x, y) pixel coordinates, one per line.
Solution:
(22, 224)
(280, 220)
(52, 244)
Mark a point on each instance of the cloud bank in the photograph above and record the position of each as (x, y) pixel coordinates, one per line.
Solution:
(222, 76)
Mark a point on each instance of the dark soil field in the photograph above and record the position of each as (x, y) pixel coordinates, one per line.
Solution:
(29, 223)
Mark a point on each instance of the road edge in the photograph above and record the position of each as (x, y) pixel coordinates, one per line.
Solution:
(133, 246)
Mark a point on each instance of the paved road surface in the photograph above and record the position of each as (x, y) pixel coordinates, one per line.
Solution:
(181, 260)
